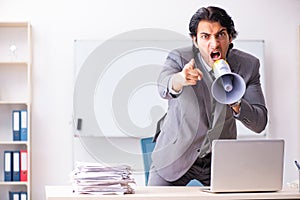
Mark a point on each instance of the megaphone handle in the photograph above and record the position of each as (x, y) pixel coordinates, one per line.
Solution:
(236, 107)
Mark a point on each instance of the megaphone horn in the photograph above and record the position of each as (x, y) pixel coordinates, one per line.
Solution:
(228, 87)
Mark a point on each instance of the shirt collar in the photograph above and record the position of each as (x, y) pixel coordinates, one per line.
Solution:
(206, 65)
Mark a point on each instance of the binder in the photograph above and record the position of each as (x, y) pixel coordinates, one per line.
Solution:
(16, 125)
(7, 166)
(14, 195)
(17, 195)
(16, 166)
(23, 125)
(23, 165)
(23, 195)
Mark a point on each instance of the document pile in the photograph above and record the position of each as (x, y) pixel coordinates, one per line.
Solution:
(94, 178)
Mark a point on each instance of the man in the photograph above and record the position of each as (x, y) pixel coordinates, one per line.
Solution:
(194, 119)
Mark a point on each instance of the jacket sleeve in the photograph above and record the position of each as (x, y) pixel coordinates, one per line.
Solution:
(254, 114)
(173, 64)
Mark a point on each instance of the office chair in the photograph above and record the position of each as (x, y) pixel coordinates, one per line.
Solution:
(148, 145)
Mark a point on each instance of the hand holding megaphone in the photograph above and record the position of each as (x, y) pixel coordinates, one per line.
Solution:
(228, 87)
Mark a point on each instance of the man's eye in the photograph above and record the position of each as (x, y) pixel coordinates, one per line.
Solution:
(204, 36)
(221, 35)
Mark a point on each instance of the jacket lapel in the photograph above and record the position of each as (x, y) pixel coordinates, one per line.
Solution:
(206, 88)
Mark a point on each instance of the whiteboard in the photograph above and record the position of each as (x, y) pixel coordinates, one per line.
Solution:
(115, 88)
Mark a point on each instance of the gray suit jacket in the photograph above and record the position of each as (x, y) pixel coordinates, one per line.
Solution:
(189, 116)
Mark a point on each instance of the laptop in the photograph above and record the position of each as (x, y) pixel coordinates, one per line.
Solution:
(247, 165)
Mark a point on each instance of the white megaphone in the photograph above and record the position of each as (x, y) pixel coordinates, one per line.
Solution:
(228, 87)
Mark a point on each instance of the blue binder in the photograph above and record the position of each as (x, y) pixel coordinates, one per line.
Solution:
(23, 195)
(16, 166)
(17, 195)
(7, 165)
(23, 125)
(16, 120)
(14, 195)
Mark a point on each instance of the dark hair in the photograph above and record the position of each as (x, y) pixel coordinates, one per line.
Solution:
(213, 14)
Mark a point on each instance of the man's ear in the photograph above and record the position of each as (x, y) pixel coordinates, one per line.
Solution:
(194, 38)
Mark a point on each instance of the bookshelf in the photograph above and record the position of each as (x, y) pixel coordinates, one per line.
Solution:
(15, 94)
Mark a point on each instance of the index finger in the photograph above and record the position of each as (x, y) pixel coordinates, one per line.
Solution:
(190, 64)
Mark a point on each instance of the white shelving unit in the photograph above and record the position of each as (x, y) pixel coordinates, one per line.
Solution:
(15, 94)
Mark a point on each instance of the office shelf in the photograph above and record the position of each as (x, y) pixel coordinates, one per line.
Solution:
(15, 94)
(13, 143)
(17, 183)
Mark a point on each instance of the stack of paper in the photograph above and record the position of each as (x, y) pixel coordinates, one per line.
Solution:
(94, 178)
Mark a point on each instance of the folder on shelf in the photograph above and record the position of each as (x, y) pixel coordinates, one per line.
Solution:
(14, 195)
(23, 165)
(16, 125)
(17, 195)
(23, 125)
(16, 166)
(7, 166)
(23, 195)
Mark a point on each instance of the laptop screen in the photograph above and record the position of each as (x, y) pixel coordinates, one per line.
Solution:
(247, 165)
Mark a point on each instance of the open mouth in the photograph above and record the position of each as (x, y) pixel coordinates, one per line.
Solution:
(215, 55)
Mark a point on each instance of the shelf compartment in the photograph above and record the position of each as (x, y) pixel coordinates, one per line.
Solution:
(14, 43)
(14, 83)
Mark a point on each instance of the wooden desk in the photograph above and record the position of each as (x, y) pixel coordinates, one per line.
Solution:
(168, 193)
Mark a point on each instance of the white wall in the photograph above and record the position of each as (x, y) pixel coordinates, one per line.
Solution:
(57, 23)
